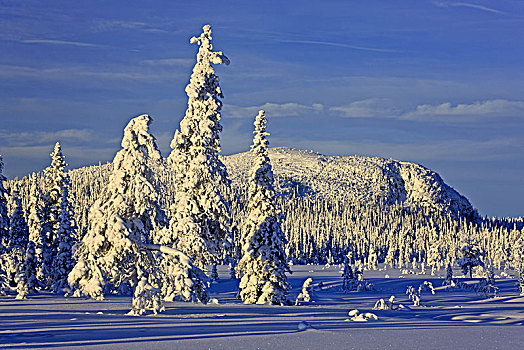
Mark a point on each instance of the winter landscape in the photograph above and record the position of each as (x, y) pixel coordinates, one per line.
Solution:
(281, 247)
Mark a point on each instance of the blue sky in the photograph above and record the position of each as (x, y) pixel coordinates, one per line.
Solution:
(440, 83)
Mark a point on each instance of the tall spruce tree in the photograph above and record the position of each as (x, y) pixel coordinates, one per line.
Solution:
(4, 218)
(120, 222)
(4, 230)
(35, 222)
(63, 261)
(200, 216)
(263, 265)
(17, 245)
(54, 178)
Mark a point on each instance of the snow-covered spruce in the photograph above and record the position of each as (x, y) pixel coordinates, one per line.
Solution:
(4, 219)
(470, 258)
(200, 218)
(56, 182)
(180, 278)
(15, 255)
(4, 230)
(263, 265)
(35, 222)
(305, 292)
(518, 260)
(121, 220)
(349, 279)
(63, 261)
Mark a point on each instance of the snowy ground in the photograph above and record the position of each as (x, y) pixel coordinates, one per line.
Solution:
(448, 319)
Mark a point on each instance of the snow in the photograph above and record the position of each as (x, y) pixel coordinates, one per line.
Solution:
(447, 319)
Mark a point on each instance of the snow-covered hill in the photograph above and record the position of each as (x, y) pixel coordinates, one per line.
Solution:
(354, 178)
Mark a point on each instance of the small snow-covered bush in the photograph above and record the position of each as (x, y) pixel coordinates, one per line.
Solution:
(356, 316)
(413, 295)
(389, 304)
(305, 292)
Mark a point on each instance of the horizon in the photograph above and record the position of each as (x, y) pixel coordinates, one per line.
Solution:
(437, 83)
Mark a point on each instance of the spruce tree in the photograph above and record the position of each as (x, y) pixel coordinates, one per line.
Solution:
(470, 259)
(35, 222)
(121, 221)
(4, 230)
(200, 215)
(63, 261)
(54, 178)
(4, 218)
(263, 265)
(16, 248)
(518, 260)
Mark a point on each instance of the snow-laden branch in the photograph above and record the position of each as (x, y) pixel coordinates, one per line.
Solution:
(170, 251)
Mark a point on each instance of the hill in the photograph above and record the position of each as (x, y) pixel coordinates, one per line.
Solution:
(354, 178)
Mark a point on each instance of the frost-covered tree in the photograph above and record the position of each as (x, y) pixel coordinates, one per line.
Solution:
(200, 216)
(263, 265)
(518, 260)
(55, 179)
(121, 221)
(63, 261)
(305, 292)
(449, 276)
(470, 258)
(16, 247)
(4, 230)
(35, 221)
(349, 279)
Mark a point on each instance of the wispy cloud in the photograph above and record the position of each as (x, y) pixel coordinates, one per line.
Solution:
(368, 108)
(489, 108)
(169, 62)
(34, 138)
(107, 25)
(290, 109)
(58, 42)
(74, 72)
(466, 4)
(329, 43)
(444, 112)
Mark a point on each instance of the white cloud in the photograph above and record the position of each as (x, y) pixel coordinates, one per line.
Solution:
(444, 112)
(133, 25)
(169, 62)
(488, 108)
(74, 72)
(330, 43)
(290, 109)
(466, 4)
(58, 42)
(368, 108)
(33, 138)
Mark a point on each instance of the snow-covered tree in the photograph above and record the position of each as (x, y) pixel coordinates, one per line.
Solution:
(470, 258)
(349, 279)
(17, 245)
(263, 265)
(518, 260)
(4, 230)
(200, 218)
(35, 221)
(305, 292)
(449, 276)
(63, 261)
(121, 221)
(55, 179)
(4, 219)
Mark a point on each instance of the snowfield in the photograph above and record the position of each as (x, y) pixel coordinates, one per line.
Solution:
(448, 319)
